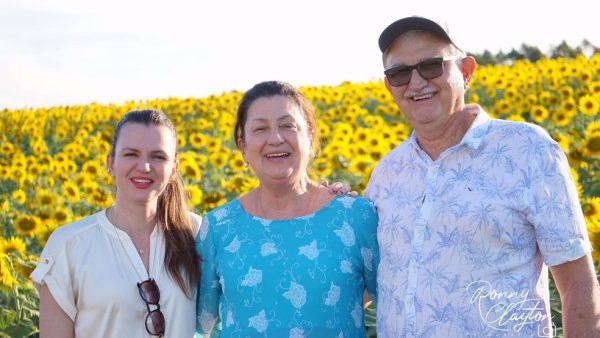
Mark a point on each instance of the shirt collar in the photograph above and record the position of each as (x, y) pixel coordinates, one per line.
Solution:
(477, 130)
(474, 135)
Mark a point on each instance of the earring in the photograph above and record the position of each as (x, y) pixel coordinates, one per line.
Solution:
(246, 164)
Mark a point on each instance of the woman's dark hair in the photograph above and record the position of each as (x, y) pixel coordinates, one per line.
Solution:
(181, 259)
(270, 89)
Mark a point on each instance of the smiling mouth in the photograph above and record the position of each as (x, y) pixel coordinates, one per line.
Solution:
(141, 181)
(278, 155)
(422, 96)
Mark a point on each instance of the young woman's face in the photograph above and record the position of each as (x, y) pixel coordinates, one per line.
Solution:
(144, 162)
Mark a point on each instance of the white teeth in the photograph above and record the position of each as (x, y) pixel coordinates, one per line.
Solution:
(278, 155)
(422, 96)
(141, 180)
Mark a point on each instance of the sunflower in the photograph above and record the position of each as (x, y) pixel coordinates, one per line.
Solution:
(87, 186)
(562, 117)
(39, 147)
(562, 140)
(592, 127)
(374, 121)
(81, 155)
(239, 183)
(591, 145)
(5, 171)
(539, 113)
(321, 167)
(349, 118)
(18, 173)
(19, 196)
(375, 142)
(324, 130)
(566, 92)
(27, 225)
(585, 75)
(46, 198)
(13, 245)
(7, 280)
(336, 149)
(589, 105)
(213, 200)
(237, 163)
(360, 164)
(361, 135)
(578, 186)
(516, 117)
(62, 215)
(181, 142)
(591, 208)
(204, 124)
(358, 149)
(34, 169)
(101, 198)
(218, 159)
(26, 267)
(7, 148)
(92, 167)
(45, 232)
(198, 140)
(190, 169)
(569, 106)
(595, 239)
(194, 194)
(214, 144)
(594, 88)
(344, 129)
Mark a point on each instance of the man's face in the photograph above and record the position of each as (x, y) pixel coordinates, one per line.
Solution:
(428, 105)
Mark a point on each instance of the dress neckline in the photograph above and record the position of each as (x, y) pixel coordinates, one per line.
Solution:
(239, 205)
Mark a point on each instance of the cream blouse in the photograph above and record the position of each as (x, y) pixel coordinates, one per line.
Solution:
(91, 269)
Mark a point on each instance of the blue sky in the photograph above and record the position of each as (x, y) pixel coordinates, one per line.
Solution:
(65, 52)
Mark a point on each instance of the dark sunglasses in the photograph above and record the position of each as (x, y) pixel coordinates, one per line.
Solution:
(155, 320)
(428, 69)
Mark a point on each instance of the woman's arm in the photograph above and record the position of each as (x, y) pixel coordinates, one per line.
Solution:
(209, 289)
(54, 322)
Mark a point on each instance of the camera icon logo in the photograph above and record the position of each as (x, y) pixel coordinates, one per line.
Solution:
(547, 330)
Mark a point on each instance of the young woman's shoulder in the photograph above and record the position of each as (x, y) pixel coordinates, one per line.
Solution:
(196, 223)
(64, 233)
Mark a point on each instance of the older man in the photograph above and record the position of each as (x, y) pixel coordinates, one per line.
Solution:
(472, 210)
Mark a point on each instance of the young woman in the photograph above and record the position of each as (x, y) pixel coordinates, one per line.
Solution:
(130, 270)
(288, 259)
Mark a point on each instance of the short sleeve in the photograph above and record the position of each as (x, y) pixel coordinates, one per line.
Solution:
(54, 270)
(555, 211)
(196, 221)
(207, 306)
(369, 249)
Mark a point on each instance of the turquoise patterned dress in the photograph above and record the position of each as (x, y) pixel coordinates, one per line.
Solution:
(301, 277)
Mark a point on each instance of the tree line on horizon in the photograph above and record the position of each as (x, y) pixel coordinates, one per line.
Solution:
(533, 53)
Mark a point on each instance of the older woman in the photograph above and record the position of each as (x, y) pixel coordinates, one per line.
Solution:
(288, 259)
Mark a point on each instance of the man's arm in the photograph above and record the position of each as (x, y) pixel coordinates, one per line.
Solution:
(580, 297)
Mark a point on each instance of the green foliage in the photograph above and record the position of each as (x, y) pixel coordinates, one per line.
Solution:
(533, 54)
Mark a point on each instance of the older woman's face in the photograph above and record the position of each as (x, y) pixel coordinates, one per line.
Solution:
(277, 143)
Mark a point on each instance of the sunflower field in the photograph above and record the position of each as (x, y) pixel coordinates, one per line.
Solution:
(53, 172)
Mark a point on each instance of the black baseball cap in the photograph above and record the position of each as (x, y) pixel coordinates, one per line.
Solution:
(411, 23)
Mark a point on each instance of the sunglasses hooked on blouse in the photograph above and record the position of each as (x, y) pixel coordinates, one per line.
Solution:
(155, 320)
(428, 69)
